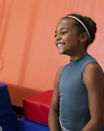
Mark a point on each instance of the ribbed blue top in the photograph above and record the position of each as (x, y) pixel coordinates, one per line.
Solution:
(73, 106)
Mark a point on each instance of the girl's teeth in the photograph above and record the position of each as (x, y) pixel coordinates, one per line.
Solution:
(60, 45)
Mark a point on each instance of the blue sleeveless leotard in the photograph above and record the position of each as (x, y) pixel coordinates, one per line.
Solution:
(73, 105)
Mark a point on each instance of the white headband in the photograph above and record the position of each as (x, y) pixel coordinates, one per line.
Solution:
(81, 24)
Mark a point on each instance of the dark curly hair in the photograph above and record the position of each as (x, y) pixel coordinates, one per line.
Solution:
(89, 23)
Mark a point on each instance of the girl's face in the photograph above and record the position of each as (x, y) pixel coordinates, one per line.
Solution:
(67, 37)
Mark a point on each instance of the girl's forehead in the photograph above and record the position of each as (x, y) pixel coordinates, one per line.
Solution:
(65, 23)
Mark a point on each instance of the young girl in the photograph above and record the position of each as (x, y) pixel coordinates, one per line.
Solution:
(77, 101)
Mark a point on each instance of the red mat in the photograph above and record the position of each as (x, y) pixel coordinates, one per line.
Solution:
(36, 107)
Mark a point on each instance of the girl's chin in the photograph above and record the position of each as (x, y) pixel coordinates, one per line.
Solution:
(64, 52)
(61, 52)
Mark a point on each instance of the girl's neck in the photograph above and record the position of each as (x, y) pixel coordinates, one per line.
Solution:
(79, 55)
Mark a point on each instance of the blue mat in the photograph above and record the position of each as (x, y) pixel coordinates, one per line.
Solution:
(25, 125)
(8, 118)
(10, 126)
(5, 103)
(9, 122)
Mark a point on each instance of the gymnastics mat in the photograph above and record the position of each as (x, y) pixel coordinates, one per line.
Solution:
(36, 107)
(9, 122)
(26, 125)
(8, 118)
(5, 103)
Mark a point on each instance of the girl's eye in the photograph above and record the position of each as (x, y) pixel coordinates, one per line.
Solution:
(64, 32)
(61, 33)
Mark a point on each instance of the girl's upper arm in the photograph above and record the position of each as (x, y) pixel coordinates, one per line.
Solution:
(55, 95)
(94, 81)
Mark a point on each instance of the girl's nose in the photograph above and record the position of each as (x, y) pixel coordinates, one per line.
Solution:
(58, 38)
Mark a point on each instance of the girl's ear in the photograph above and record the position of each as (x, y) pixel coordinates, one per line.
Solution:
(83, 37)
